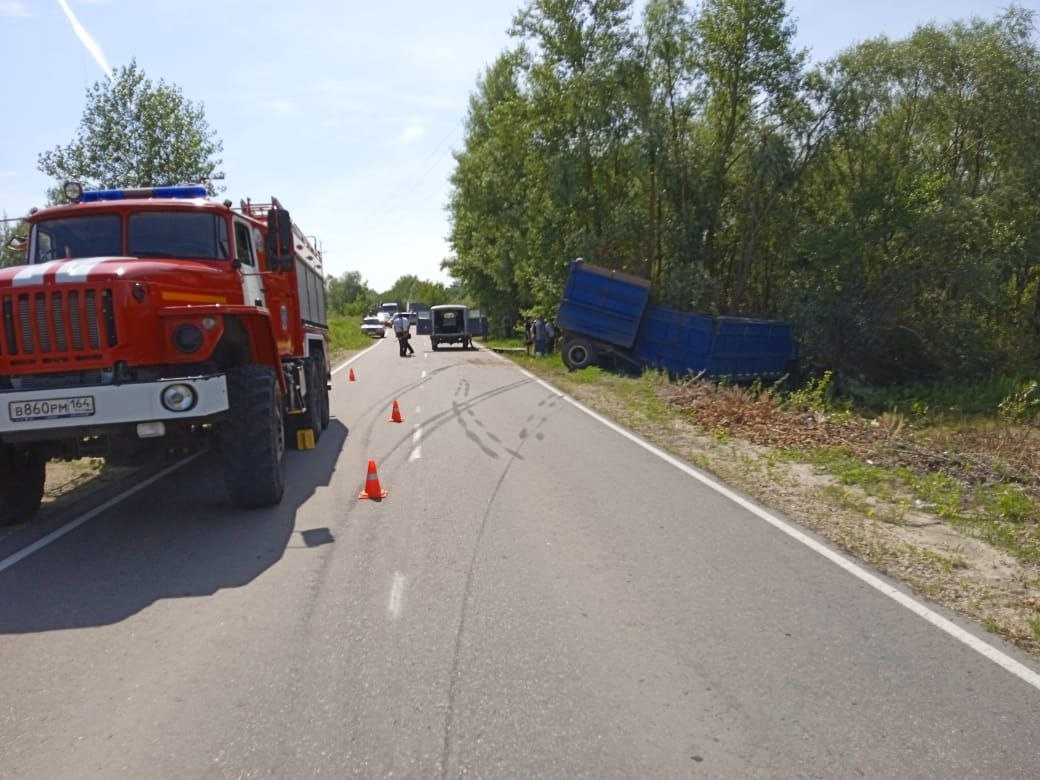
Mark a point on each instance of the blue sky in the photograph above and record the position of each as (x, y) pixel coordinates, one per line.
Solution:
(347, 112)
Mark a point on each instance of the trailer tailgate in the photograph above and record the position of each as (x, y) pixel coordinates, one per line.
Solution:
(602, 304)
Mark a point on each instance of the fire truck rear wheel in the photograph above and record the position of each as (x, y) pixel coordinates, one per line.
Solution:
(22, 474)
(253, 438)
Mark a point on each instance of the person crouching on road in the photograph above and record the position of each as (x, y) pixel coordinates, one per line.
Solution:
(402, 329)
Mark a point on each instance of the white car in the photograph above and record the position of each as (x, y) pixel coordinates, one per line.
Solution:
(371, 326)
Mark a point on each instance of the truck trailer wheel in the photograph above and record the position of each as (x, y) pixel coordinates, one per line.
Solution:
(253, 438)
(578, 353)
(22, 474)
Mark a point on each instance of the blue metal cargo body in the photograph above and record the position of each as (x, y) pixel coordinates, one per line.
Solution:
(675, 341)
(607, 313)
(752, 349)
(602, 304)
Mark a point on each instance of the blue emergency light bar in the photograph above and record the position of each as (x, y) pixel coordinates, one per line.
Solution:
(175, 191)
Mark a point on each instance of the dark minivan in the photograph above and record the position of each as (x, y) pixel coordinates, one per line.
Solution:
(451, 325)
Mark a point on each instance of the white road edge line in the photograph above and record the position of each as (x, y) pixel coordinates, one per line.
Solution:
(352, 358)
(997, 656)
(56, 534)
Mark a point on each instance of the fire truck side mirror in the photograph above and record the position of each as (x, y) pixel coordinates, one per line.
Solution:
(17, 244)
(279, 240)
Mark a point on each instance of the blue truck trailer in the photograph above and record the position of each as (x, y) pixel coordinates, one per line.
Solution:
(608, 314)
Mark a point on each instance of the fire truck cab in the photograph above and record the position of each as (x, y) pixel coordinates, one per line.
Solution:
(143, 315)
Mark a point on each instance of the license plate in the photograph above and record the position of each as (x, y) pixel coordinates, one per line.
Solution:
(51, 408)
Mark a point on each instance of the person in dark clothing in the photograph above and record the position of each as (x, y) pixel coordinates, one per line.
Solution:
(538, 331)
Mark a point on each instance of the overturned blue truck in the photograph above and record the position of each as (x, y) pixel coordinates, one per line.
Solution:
(607, 315)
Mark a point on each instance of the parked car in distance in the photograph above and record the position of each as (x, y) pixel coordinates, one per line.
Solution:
(413, 318)
(374, 327)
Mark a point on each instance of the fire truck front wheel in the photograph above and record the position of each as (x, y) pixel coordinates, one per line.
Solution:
(22, 474)
(253, 438)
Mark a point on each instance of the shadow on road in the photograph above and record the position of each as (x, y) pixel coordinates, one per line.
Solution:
(176, 538)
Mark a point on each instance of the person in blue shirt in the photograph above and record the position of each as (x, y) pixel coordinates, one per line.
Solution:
(539, 336)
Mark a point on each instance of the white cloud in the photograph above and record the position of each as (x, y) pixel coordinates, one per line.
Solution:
(413, 132)
(352, 95)
(283, 108)
(331, 85)
(84, 37)
(14, 9)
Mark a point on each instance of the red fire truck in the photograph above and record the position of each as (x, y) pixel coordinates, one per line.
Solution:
(144, 315)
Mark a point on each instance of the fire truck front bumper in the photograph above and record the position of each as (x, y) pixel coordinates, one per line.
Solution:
(100, 406)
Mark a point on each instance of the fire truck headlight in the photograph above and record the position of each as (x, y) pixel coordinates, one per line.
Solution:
(179, 398)
(187, 338)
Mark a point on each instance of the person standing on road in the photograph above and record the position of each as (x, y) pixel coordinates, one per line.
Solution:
(402, 329)
(539, 336)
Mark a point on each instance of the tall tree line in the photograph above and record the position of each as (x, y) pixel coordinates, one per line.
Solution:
(886, 202)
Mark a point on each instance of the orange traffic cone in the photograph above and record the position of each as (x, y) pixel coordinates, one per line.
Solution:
(395, 415)
(372, 486)
(351, 376)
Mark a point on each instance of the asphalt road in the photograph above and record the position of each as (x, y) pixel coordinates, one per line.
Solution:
(538, 596)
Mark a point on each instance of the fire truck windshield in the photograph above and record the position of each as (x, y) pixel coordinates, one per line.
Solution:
(93, 236)
(178, 234)
(187, 234)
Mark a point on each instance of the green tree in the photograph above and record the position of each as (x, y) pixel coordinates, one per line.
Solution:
(752, 79)
(134, 133)
(918, 246)
(886, 202)
(668, 111)
(494, 199)
(582, 81)
(347, 293)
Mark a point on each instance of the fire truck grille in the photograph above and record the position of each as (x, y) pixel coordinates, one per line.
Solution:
(56, 326)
